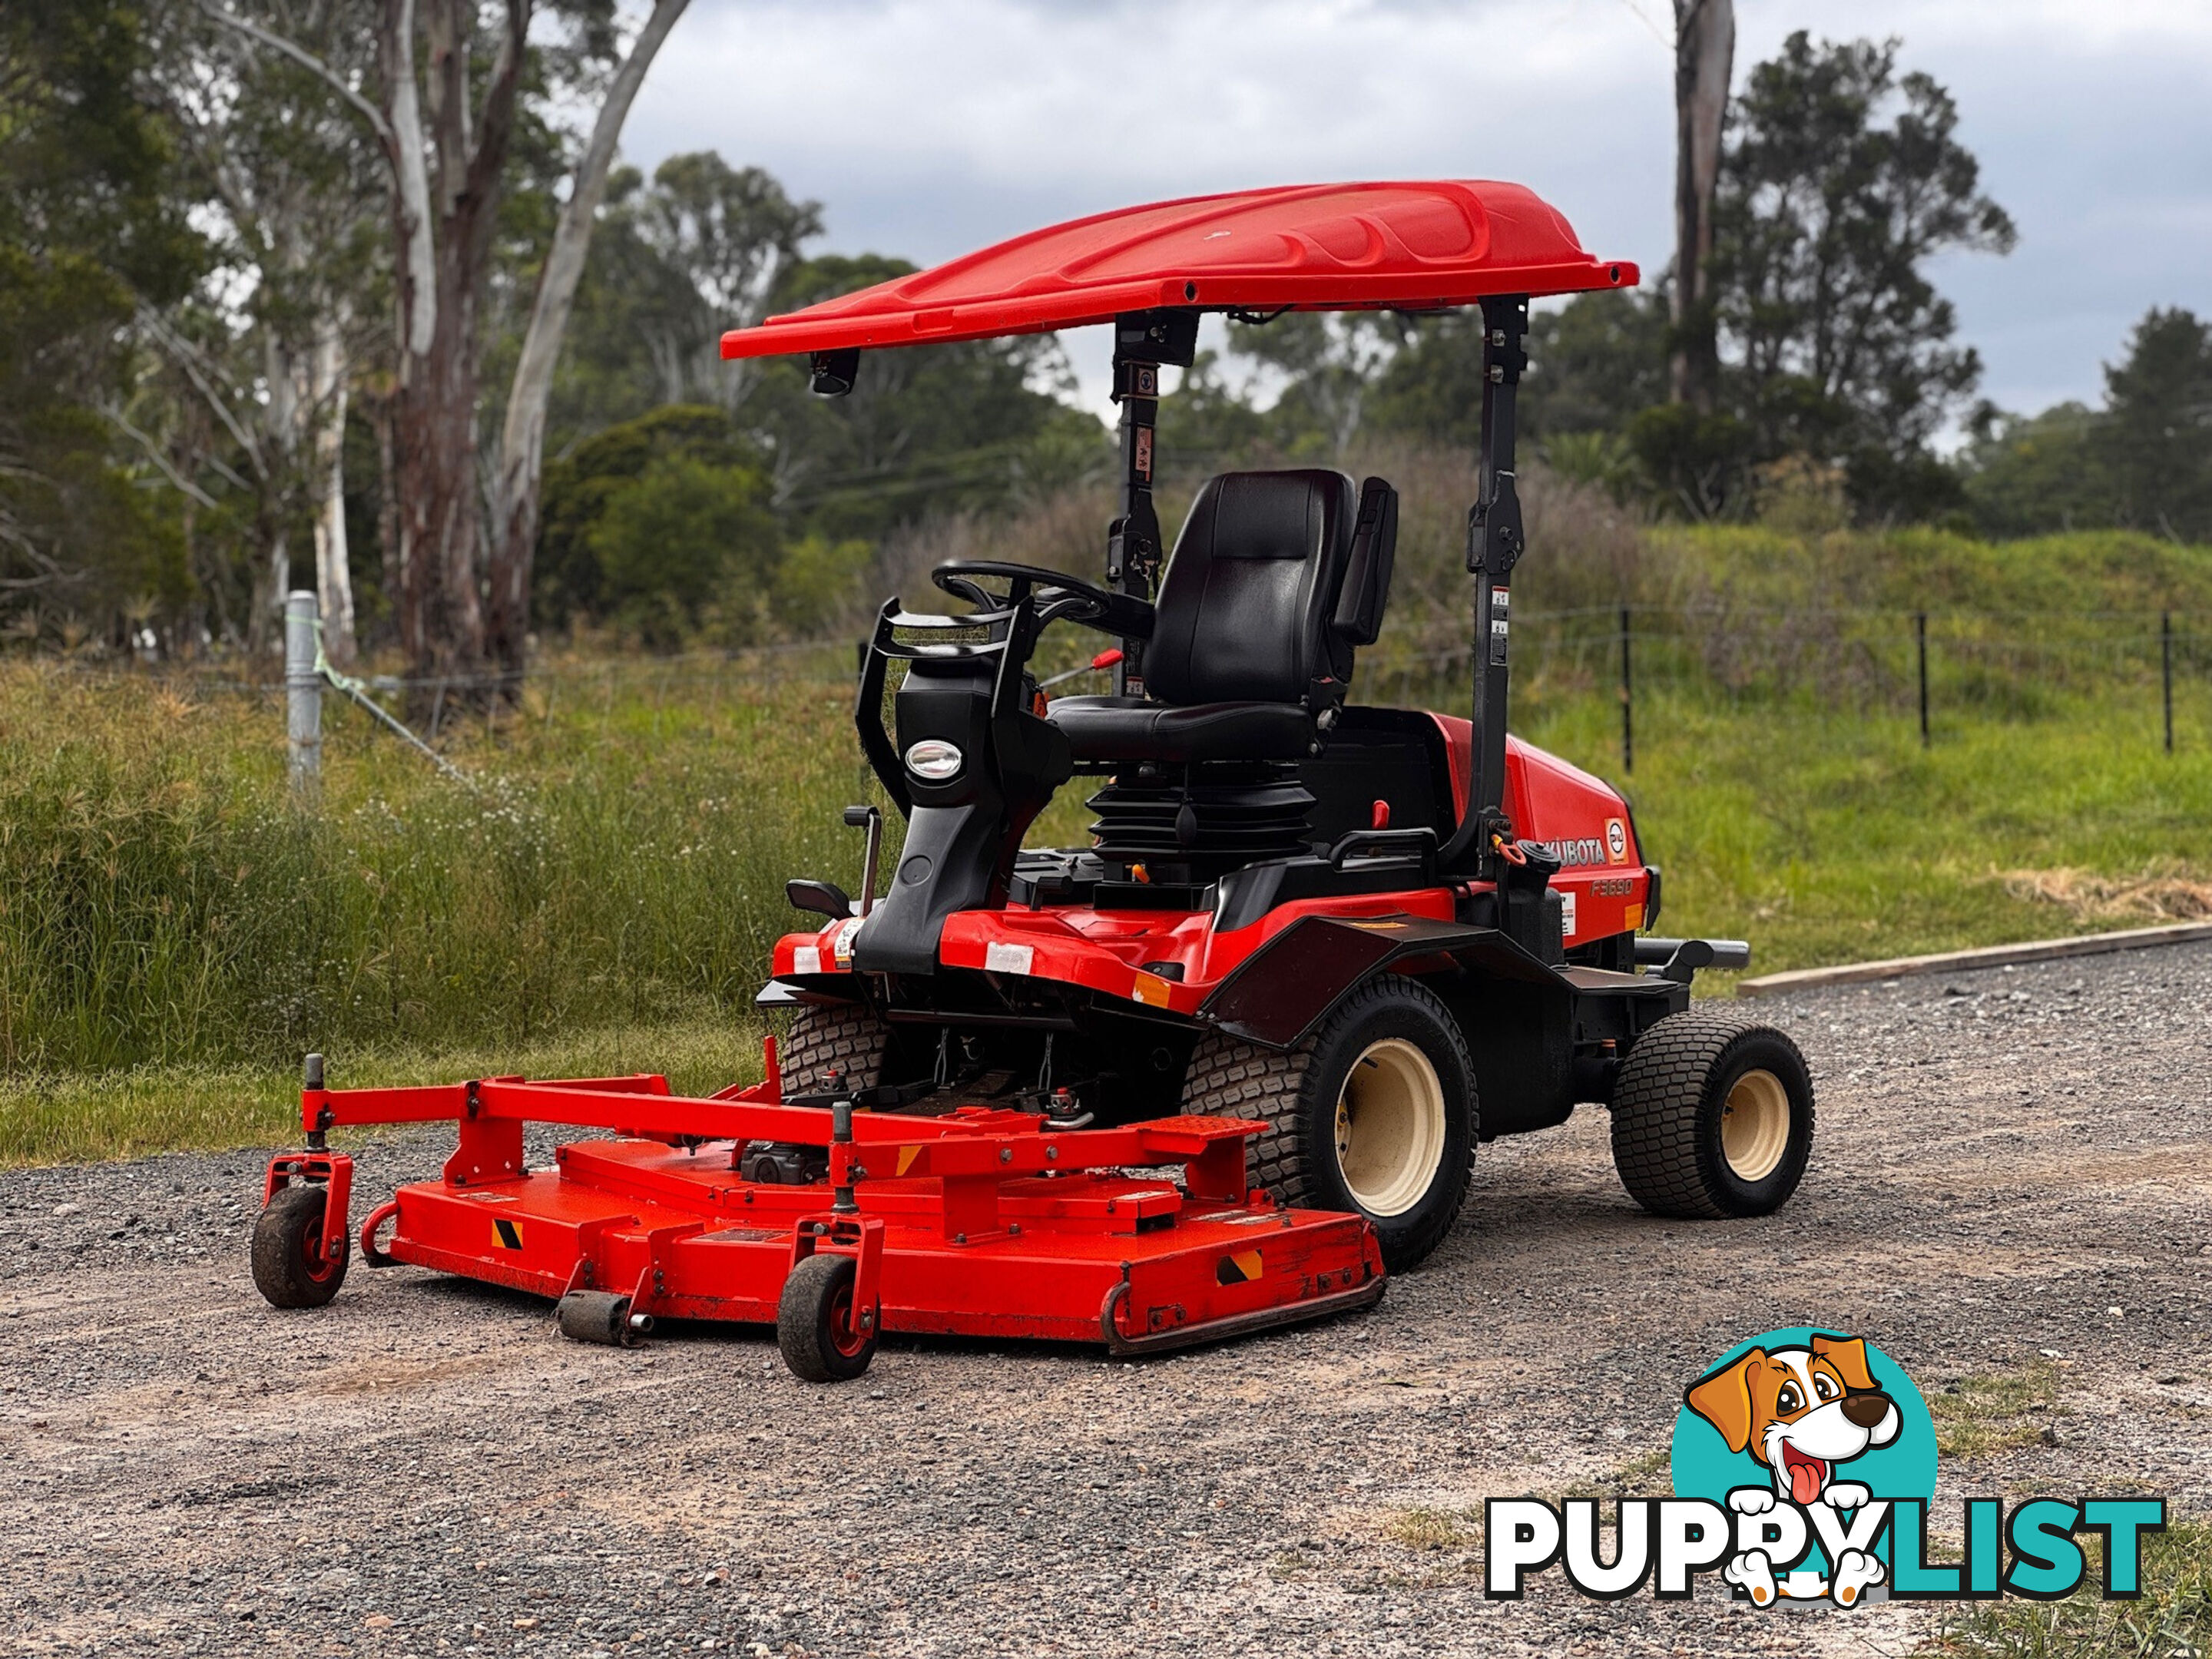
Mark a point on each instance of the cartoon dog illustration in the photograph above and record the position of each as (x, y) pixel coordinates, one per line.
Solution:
(1801, 1411)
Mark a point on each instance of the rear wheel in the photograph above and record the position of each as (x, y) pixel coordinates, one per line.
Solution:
(1374, 1113)
(1712, 1117)
(289, 1267)
(847, 1038)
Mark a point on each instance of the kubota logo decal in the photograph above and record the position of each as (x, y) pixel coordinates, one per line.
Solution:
(1588, 850)
(1804, 1465)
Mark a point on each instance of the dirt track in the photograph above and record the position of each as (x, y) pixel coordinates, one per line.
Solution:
(427, 1467)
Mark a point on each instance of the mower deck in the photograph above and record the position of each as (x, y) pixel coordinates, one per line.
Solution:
(977, 1223)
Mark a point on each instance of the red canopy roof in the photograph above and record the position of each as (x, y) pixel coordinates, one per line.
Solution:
(1316, 247)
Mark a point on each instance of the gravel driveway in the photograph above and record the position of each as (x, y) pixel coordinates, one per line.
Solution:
(2010, 1163)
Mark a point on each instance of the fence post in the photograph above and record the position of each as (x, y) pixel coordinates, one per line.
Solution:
(303, 694)
(2166, 669)
(1920, 639)
(1627, 701)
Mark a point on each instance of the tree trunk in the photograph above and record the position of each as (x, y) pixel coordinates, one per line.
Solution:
(1704, 60)
(388, 498)
(442, 223)
(522, 443)
(440, 616)
(333, 569)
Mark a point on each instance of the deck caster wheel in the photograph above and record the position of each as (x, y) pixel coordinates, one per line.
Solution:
(1712, 1117)
(815, 1322)
(289, 1267)
(600, 1316)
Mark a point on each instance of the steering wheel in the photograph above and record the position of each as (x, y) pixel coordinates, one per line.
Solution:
(1092, 607)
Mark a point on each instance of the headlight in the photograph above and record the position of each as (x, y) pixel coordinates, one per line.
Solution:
(934, 759)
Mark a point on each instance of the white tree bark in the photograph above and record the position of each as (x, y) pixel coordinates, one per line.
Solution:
(281, 419)
(333, 569)
(404, 133)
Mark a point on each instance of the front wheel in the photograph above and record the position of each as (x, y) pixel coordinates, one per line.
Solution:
(824, 1339)
(1374, 1113)
(1712, 1117)
(848, 1038)
(289, 1267)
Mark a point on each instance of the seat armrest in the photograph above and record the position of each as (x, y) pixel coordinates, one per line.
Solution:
(1358, 616)
(1124, 617)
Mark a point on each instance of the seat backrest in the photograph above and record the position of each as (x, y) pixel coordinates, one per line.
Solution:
(1247, 603)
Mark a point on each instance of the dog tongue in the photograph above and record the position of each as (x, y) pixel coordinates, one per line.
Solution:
(1804, 1481)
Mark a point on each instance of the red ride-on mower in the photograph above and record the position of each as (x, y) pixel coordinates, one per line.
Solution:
(1315, 954)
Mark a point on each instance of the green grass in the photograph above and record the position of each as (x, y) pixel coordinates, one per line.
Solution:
(73, 1116)
(1835, 837)
(2173, 1619)
(1995, 1411)
(621, 862)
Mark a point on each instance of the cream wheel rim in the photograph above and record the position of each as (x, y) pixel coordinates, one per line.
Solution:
(1755, 1125)
(1389, 1127)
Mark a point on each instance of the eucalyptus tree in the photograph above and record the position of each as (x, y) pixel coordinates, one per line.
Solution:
(449, 88)
(1843, 181)
(267, 342)
(90, 227)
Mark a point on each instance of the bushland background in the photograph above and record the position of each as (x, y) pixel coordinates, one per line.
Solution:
(1769, 486)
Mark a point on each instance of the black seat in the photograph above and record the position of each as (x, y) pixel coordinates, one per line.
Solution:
(1275, 578)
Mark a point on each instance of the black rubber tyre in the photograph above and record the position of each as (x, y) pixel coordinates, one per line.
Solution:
(1712, 1117)
(1303, 1157)
(289, 1267)
(847, 1037)
(814, 1321)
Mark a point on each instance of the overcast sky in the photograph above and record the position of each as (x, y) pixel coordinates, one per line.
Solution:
(927, 128)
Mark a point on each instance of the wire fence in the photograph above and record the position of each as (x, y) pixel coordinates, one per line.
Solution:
(1926, 667)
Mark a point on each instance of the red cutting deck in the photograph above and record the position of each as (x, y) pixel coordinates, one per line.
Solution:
(980, 1221)
(689, 1240)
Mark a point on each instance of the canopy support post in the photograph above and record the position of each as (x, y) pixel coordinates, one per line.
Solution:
(1143, 340)
(1494, 545)
(1132, 541)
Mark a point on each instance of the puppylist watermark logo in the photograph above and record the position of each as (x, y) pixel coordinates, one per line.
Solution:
(1804, 1463)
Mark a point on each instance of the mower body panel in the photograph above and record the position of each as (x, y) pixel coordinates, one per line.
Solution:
(1197, 964)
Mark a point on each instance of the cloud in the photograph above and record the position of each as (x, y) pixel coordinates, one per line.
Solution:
(931, 127)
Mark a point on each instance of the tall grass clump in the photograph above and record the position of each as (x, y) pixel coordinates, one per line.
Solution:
(619, 858)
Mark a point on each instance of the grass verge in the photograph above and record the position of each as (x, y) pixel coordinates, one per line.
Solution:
(2172, 1620)
(1995, 1411)
(67, 1118)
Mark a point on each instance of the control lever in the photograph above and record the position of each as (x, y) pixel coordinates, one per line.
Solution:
(1105, 658)
(868, 818)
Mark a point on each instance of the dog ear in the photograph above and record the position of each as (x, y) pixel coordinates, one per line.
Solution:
(1848, 1355)
(1723, 1399)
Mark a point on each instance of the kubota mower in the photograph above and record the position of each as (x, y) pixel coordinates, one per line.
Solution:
(1229, 1063)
